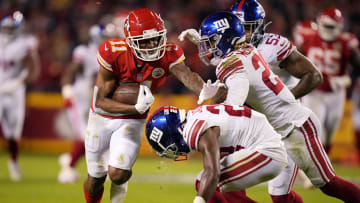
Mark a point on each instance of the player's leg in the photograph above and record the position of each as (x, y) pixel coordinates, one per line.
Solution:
(312, 159)
(317, 102)
(246, 168)
(77, 114)
(96, 144)
(335, 109)
(124, 148)
(280, 187)
(12, 124)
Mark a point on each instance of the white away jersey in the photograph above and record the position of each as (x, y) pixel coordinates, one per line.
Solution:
(84, 81)
(12, 54)
(275, 48)
(240, 127)
(267, 94)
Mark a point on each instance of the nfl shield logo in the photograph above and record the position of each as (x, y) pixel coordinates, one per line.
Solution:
(138, 77)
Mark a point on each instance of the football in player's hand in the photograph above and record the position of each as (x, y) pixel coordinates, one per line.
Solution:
(127, 93)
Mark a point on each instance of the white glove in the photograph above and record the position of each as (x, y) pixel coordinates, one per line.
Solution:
(209, 90)
(339, 82)
(191, 34)
(145, 99)
(199, 199)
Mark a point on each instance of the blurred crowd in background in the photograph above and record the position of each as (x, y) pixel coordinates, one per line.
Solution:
(60, 25)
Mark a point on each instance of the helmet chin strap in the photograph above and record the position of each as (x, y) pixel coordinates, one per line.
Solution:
(267, 24)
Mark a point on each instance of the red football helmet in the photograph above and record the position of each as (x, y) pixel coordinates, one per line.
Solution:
(302, 29)
(330, 24)
(145, 34)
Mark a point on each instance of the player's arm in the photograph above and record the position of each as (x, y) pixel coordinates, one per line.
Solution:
(69, 74)
(301, 67)
(190, 79)
(238, 88)
(105, 83)
(209, 148)
(32, 63)
(67, 80)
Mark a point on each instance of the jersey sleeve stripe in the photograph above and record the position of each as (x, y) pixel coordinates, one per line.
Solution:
(226, 73)
(285, 53)
(103, 63)
(181, 59)
(195, 133)
(283, 48)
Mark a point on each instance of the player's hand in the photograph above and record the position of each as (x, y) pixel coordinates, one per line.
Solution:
(209, 90)
(191, 34)
(68, 95)
(11, 86)
(199, 199)
(339, 82)
(145, 99)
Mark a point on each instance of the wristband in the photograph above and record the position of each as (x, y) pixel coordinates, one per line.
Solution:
(199, 199)
(67, 91)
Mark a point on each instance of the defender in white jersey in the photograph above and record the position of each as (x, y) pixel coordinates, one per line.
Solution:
(77, 87)
(294, 70)
(240, 148)
(249, 78)
(19, 66)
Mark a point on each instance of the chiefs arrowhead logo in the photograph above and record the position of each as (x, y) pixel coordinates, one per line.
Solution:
(157, 72)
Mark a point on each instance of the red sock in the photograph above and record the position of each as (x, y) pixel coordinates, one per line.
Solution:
(217, 196)
(78, 150)
(292, 197)
(238, 196)
(13, 149)
(227, 197)
(96, 198)
(342, 189)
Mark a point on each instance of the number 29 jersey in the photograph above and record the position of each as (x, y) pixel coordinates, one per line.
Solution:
(266, 94)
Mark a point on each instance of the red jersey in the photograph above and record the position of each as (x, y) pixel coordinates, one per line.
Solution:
(117, 57)
(330, 57)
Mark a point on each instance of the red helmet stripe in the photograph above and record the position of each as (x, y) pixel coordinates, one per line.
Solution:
(240, 5)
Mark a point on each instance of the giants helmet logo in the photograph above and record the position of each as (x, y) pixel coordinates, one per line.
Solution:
(222, 25)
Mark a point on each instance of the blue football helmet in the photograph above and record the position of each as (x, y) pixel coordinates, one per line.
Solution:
(99, 33)
(15, 20)
(252, 15)
(219, 33)
(164, 133)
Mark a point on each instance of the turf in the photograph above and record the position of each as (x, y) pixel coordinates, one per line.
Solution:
(154, 180)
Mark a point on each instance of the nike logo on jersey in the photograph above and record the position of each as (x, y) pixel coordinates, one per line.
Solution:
(106, 48)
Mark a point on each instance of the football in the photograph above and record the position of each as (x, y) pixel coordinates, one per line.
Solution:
(127, 93)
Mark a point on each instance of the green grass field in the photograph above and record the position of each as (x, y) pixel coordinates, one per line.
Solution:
(154, 180)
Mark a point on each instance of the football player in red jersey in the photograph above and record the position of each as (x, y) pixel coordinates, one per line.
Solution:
(146, 57)
(331, 50)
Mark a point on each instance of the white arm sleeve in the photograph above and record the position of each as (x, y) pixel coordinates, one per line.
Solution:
(238, 89)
